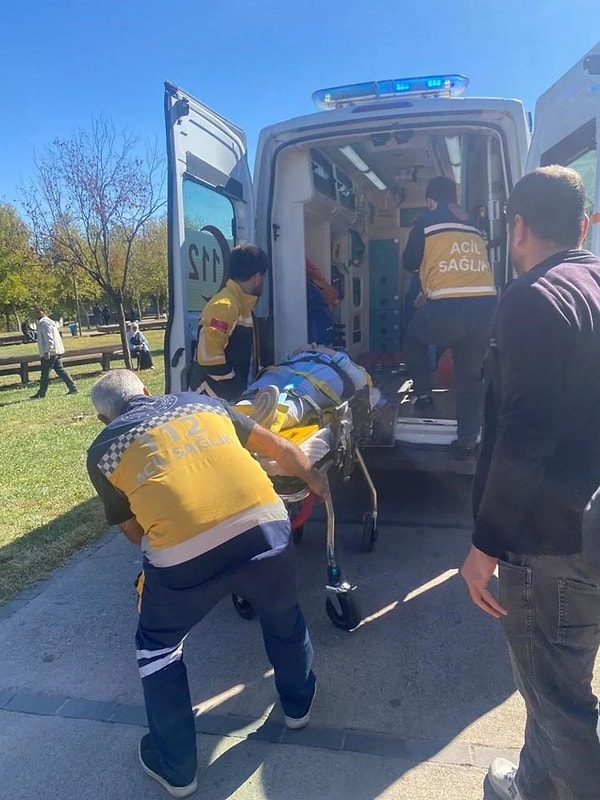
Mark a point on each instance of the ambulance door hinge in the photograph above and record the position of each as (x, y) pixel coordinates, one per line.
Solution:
(181, 108)
(276, 231)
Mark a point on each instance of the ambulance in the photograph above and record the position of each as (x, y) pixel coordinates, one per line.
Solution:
(341, 188)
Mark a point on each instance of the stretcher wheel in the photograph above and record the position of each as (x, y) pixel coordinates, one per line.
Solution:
(243, 607)
(370, 533)
(343, 611)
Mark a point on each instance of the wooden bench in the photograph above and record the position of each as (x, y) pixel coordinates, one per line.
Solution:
(145, 325)
(24, 364)
(12, 338)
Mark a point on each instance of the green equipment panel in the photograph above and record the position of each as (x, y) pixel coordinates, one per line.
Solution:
(385, 303)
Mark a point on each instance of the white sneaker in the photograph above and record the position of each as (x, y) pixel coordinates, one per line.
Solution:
(295, 723)
(501, 775)
(265, 406)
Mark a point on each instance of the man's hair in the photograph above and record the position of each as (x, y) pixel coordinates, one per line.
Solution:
(41, 309)
(113, 390)
(245, 261)
(551, 201)
(441, 189)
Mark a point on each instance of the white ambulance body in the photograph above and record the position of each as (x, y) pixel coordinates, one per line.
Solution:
(342, 187)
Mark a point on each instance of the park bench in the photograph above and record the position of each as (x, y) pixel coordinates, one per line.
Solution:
(22, 365)
(12, 338)
(144, 325)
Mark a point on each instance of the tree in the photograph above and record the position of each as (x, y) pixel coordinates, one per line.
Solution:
(91, 197)
(24, 280)
(148, 276)
(73, 284)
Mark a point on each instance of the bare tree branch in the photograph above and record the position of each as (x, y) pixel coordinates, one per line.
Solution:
(91, 197)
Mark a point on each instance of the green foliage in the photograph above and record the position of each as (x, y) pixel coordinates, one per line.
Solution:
(92, 196)
(147, 279)
(48, 514)
(24, 279)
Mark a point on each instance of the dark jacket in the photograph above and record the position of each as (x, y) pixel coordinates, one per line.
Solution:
(540, 455)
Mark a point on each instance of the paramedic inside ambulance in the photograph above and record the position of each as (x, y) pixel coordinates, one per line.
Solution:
(225, 348)
(450, 256)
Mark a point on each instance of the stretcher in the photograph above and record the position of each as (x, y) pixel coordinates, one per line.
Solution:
(344, 428)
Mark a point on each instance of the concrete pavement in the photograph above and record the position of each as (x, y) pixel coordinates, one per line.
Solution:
(413, 704)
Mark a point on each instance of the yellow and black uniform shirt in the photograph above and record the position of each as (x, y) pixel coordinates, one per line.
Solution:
(177, 464)
(450, 255)
(225, 342)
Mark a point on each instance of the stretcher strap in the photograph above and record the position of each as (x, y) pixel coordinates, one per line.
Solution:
(304, 513)
(328, 361)
(321, 386)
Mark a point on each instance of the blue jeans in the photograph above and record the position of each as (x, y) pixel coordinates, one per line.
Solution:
(171, 604)
(553, 633)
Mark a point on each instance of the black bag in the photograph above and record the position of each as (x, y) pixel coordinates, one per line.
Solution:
(145, 360)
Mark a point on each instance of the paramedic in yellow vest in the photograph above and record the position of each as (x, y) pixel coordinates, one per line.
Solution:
(175, 473)
(450, 257)
(226, 334)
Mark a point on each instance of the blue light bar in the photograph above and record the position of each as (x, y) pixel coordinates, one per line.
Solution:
(426, 86)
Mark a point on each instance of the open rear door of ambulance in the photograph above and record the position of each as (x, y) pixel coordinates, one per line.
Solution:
(210, 209)
(566, 129)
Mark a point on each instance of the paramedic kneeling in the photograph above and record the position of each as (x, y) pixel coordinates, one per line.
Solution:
(536, 489)
(226, 335)
(174, 472)
(450, 256)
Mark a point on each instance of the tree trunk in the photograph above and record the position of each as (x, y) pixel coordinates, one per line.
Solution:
(76, 297)
(139, 309)
(123, 330)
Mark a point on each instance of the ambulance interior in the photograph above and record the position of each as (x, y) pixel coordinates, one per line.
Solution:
(354, 202)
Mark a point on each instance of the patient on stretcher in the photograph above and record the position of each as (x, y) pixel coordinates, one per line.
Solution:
(292, 398)
(310, 379)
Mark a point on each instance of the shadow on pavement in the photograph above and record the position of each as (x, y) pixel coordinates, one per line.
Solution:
(418, 679)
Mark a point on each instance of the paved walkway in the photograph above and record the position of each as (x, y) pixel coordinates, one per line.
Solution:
(411, 705)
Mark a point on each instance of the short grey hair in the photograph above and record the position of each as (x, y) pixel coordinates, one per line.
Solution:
(113, 390)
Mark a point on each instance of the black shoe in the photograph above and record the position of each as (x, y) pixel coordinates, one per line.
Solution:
(423, 403)
(148, 758)
(463, 452)
(37, 396)
(74, 390)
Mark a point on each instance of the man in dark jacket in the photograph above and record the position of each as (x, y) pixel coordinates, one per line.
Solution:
(534, 490)
(450, 256)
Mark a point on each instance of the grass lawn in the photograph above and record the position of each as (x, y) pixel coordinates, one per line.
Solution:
(48, 508)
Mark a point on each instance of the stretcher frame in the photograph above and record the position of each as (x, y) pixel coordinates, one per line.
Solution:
(350, 424)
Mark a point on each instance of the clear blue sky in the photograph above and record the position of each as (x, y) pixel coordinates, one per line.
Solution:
(257, 61)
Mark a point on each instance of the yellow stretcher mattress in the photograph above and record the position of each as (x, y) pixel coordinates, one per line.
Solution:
(296, 435)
